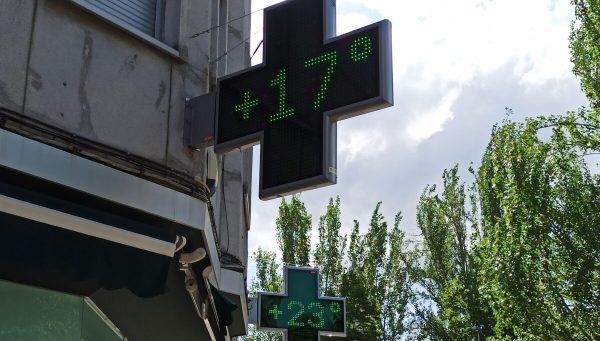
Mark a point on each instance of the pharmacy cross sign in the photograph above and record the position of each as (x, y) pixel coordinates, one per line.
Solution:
(308, 81)
(301, 313)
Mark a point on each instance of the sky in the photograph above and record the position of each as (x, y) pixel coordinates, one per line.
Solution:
(457, 66)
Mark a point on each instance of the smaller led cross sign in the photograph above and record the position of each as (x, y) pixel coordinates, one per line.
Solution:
(308, 81)
(300, 312)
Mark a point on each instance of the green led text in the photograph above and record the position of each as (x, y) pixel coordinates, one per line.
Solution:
(299, 311)
(360, 49)
(280, 81)
(300, 315)
(246, 105)
(331, 59)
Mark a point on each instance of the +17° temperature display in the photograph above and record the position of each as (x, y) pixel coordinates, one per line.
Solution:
(359, 50)
(291, 101)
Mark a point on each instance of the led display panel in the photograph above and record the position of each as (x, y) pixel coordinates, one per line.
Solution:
(291, 102)
(301, 311)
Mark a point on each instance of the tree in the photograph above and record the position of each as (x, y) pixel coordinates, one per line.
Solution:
(362, 319)
(293, 232)
(267, 279)
(329, 251)
(585, 47)
(396, 283)
(541, 211)
(515, 255)
(376, 284)
(447, 300)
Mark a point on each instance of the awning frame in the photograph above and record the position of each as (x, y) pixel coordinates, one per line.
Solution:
(88, 227)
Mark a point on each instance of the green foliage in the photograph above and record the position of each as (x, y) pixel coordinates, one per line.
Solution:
(541, 212)
(448, 275)
(529, 267)
(375, 245)
(585, 47)
(376, 284)
(363, 308)
(293, 236)
(396, 282)
(293, 232)
(329, 252)
(515, 255)
(268, 279)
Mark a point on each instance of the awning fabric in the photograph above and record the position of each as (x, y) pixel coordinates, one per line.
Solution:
(225, 307)
(44, 255)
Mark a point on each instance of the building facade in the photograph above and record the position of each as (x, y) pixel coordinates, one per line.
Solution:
(111, 226)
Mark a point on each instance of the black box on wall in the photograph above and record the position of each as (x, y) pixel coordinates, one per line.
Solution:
(199, 125)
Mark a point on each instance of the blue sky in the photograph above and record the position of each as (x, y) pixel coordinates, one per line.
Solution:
(457, 66)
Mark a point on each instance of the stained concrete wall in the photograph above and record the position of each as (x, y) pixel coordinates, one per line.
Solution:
(75, 71)
(236, 165)
(89, 78)
(16, 18)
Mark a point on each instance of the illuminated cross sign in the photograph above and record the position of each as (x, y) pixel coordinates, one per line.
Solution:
(300, 312)
(309, 80)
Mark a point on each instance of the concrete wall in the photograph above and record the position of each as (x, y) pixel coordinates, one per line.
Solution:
(16, 18)
(236, 165)
(68, 68)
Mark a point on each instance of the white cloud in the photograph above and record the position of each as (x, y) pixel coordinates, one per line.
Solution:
(458, 39)
(429, 123)
(351, 21)
(362, 145)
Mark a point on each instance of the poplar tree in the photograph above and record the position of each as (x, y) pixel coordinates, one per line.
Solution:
(376, 284)
(293, 232)
(329, 251)
(268, 279)
(362, 318)
(448, 303)
(396, 283)
(293, 235)
(541, 212)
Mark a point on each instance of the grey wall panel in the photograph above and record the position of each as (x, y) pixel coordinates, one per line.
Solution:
(238, 35)
(98, 82)
(189, 80)
(15, 31)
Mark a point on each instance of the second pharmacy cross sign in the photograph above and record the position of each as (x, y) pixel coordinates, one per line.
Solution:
(301, 313)
(308, 81)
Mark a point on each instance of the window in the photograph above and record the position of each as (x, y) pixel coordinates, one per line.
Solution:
(153, 21)
(141, 14)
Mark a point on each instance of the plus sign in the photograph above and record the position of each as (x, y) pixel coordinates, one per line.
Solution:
(275, 312)
(301, 312)
(308, 81)
(246, 106)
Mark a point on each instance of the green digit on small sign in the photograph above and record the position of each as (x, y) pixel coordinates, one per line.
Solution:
(246, 105)
(294, 321)
(360, 49)
(282, 111)
(319, 314)
(334, 307)
(331, 59)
